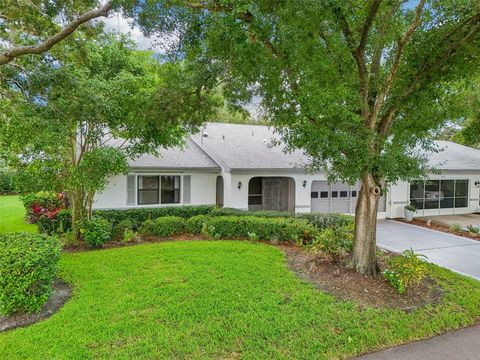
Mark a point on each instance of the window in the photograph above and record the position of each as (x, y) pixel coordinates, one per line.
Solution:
(461, 193)
(334, 194)
(170, 189)
(314, 195)
(439, 194)
(343, 194)
(148, 190)
(324, 194)
(354, 193)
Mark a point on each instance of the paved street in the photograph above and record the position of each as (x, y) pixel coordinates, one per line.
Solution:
(454, 252)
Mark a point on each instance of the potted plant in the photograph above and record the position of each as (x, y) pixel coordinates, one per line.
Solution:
(410, 212)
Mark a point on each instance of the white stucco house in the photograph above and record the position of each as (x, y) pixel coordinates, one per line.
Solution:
(236, 166)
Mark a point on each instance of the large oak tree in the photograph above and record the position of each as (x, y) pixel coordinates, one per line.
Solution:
(357, 85)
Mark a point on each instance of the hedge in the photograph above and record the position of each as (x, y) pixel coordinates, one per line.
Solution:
(163, 226)
(194, 225)
(138, 216)
(282, 229)
(28, 266)
(320, 220)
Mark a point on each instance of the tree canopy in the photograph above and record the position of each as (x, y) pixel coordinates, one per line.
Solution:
(357, 85)
(88, 106)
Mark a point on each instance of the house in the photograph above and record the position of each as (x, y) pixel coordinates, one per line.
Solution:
(237, 166)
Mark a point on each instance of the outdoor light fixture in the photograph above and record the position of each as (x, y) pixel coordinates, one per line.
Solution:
(239, 185)
(304, 183)
(477, 184)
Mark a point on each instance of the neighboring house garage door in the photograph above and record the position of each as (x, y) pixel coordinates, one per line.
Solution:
(337, 198)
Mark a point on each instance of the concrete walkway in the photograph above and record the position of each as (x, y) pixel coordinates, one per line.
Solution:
(462, 344)
(459, 254)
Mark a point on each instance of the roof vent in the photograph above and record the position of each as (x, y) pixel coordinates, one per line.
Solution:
(223, 137)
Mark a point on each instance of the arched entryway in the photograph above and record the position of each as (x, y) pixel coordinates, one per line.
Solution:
(271, 193)
(219, 192)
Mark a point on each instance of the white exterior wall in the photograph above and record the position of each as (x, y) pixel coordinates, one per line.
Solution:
(202, 191)
(238, 198)
(399, 196)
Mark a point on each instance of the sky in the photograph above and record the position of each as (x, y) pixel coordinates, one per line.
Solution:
(119, 24)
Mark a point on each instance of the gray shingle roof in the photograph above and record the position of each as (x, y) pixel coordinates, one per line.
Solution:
(245, 147)
(455, 157)
(248, 147)
(190, 157)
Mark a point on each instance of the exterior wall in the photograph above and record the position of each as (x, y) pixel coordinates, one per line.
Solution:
(399, 196)
(202, 191)
(238, 198)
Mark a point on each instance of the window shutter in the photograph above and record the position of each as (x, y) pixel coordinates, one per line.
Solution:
(131, 189)
(186, 189)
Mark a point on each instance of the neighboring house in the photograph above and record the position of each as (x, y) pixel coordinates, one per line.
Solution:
(236, 166)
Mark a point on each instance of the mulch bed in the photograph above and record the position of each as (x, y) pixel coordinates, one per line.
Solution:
(439, 227)
(61, 294)
(346, 284)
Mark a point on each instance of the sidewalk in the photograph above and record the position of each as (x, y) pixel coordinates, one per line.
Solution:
(462, 344)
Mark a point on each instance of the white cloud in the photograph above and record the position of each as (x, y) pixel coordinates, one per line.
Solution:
(119, 24)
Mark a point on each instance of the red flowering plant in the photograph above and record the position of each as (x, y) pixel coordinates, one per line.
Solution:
(43, 203)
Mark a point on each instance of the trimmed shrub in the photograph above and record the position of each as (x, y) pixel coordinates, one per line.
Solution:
(334, 242)
(119, 229)
(28, 266)
(405, 270)
(323, 221)
(163, 226)
(96, 232)
(58, 224)
(138, 216)
(195, 223)
(282, 229)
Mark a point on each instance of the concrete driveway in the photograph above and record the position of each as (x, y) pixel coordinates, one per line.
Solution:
(453, 252)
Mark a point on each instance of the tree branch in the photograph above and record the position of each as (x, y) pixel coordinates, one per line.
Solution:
(428, 68)
(10, 54)
(396, 61)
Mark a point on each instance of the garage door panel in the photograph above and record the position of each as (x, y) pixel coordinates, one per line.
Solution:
(342, 198)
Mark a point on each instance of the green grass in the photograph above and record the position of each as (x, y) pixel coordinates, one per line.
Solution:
(220, 300)
(12, 215)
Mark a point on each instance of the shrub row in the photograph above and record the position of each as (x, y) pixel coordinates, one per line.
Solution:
(322, 221)
(138, 216)
(28, 266)
(281, 229)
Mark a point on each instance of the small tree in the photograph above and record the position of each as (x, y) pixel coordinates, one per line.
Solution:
(89, 107)
(356, 84)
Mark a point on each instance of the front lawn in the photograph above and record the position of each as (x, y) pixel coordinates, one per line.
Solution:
(12, 215)
(222, 300)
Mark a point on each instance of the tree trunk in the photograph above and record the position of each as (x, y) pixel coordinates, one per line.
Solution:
(78, 211)
(365, 242)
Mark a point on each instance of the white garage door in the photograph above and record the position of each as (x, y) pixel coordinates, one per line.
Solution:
(337, 198)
